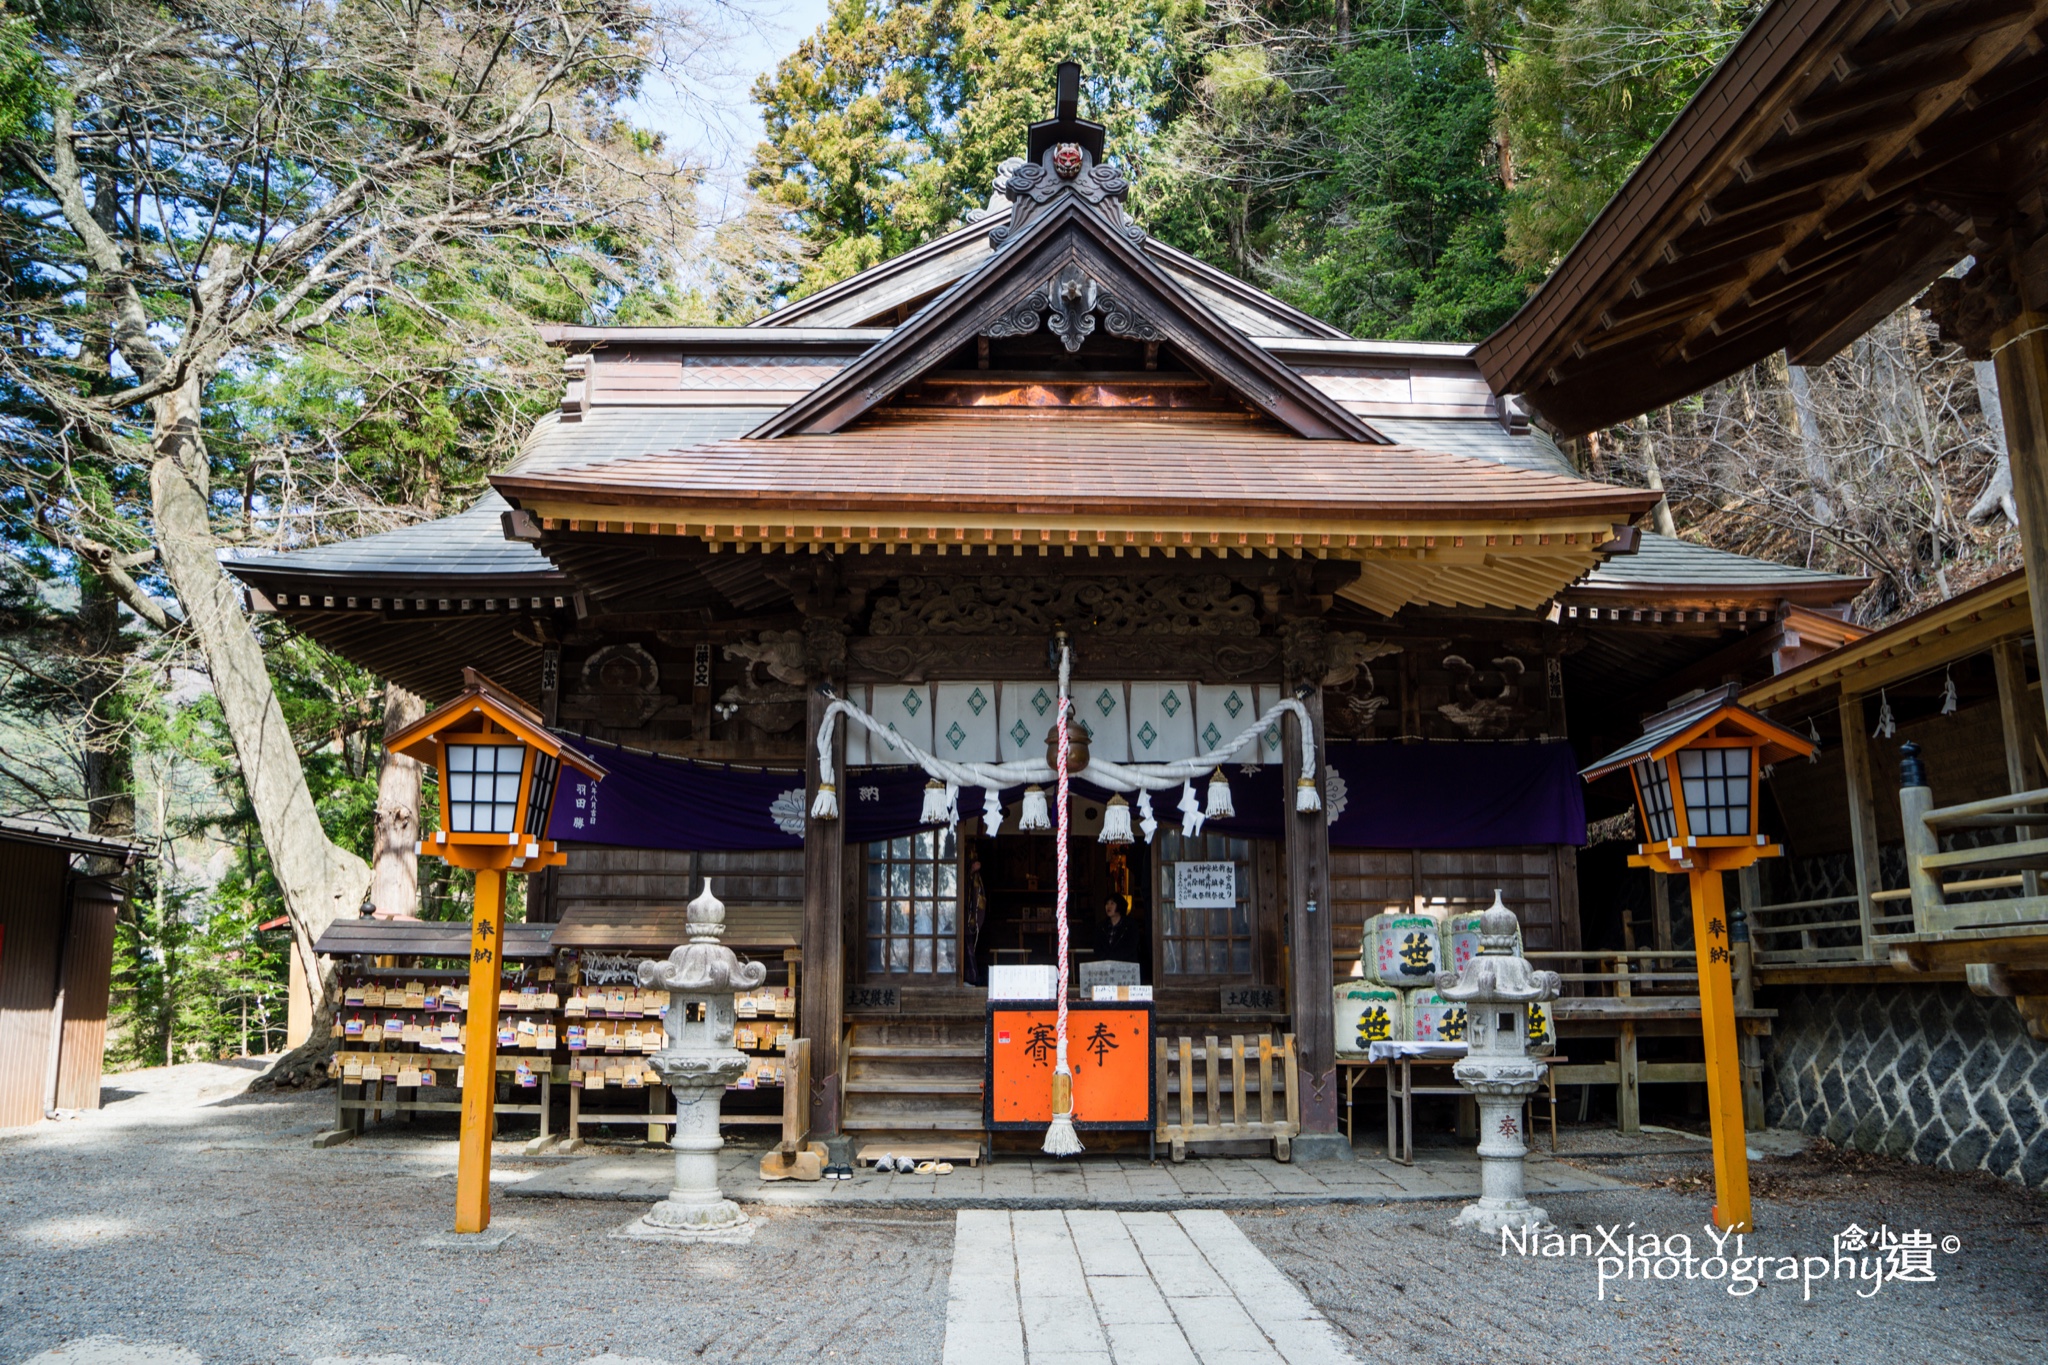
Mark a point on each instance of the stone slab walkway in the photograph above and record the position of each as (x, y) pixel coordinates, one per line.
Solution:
(1087, 1182)
(1097, 1287)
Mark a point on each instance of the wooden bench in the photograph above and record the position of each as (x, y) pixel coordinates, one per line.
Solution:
(1259, 1101)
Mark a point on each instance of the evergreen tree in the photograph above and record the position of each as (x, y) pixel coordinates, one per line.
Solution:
(891, 121)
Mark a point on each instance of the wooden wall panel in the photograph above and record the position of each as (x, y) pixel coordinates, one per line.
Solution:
(632, 881)
(88, 980)
(1363, 882)
(31, 904)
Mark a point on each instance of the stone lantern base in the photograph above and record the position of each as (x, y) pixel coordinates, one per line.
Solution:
(1500, 1088)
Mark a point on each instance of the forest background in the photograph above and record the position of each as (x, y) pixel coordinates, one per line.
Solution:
(1401, 168)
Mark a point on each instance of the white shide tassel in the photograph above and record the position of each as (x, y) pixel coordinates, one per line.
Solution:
(991, 810)
(1886, 725)
(934, 811)
(826, 804)
(1148, 824)
(1191, 816)
(952, 818)
(1116, 822)
(1305, 797)
(1219, 797)
(1034, 814)
(1948, 693)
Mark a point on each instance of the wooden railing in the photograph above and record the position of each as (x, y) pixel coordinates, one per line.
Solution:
(1617, 976)
(1785, 934)
(2016, 864)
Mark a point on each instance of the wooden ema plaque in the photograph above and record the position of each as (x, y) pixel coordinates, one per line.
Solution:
(1109, 1051)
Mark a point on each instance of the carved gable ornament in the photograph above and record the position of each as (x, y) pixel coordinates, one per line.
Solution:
(1068, 307)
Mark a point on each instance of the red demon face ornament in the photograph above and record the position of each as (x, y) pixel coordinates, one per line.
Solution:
(1066, 160)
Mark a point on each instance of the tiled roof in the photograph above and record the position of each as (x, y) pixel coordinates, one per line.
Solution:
(1482, 438)
(1662, 562)
(472, 543)
(966, 463)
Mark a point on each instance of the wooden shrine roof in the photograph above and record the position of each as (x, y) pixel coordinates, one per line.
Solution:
(427, 938)
(1843, 155)
(1059, 466)
(887, 293)
(1966, 624)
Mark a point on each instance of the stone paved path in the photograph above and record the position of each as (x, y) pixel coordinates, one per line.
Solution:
(1014, 1182)
(1097, 1287)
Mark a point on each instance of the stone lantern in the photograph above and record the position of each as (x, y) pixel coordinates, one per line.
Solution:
(697, 1063)
(1496, 987)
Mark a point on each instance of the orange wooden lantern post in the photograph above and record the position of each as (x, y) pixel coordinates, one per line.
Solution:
(1696, 771)
(498, 769)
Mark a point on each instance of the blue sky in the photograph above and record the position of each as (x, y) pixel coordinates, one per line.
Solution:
(712, 120)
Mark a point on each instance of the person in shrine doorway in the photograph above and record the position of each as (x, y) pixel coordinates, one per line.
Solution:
(1123, 940)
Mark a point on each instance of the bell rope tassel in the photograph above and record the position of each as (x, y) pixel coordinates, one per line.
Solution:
(1034, 814)
(1148, 824)
(1191, 816)
(991, 810)
(1219, 796)
(1060, 1137)
(1116, 822)
(934, 811)
(826, 805)
(1305, 798)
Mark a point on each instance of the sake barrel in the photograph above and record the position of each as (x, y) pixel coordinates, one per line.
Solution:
(1403, 949)
(1432, 1019)
(1365, 1013)
(1461, 940)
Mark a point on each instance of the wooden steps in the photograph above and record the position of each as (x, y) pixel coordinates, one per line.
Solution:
(913, 1078)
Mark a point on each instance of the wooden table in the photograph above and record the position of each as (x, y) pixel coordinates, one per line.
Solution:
(1401, 1122)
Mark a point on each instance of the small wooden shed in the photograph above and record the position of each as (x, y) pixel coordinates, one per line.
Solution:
(56, 966)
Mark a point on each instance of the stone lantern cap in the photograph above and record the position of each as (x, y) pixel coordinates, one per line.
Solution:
(1497, 974)
(704, 963)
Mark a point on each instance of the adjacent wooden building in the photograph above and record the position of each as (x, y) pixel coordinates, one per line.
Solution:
(56, 966)
(902, 489)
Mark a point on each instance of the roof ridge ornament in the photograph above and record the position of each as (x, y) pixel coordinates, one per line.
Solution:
(1065, 159)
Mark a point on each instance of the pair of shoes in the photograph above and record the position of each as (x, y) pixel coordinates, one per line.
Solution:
(839, 1172)
(935, 1168)
(889, 1165)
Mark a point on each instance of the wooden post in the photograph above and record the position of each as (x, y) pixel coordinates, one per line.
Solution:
(1307, 837)
(1724, 1064)
(1628, 1094)
(480, 1053)
(2011, 670)
(822, 1003)
(1862, 818)
(2020, 355)
(1660, 913)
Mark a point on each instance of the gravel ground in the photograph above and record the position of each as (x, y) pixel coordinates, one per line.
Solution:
(185, 1213)
(193, 1216)
(1406, 1288)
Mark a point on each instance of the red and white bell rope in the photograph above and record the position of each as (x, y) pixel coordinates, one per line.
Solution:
(1060, 1137)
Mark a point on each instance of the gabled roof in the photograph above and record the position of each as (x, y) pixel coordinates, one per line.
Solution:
(903, 283)
(1712, 713)
(1843, 155)
(20, 830)
(1072, 244)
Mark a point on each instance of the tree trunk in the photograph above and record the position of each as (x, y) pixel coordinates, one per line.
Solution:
(1997, 494)
(109, 752)
(395, 887)
(1654, 476)
(320, 881)
(1819, 477)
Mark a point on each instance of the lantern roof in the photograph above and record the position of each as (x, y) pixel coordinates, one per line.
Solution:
(481, 705)
(1711, 715)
